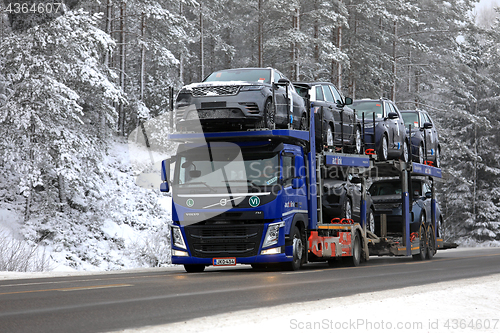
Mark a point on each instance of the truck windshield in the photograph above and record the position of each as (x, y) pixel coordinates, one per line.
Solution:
(368, 108)
(253, 170)
(249, 75)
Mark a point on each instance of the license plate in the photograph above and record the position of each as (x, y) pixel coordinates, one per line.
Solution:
(224, 261)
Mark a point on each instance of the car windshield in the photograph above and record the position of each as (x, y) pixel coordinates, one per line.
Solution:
(197, 169)
(368, 108)
(390, 188)
(410, 118)
(249, 75)
(302, 91)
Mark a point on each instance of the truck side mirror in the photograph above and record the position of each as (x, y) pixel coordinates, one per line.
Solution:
(165, 175)
(164, 187)
(297, 182)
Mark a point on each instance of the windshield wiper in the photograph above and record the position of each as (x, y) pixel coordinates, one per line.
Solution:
(202, 183)
(251, 182)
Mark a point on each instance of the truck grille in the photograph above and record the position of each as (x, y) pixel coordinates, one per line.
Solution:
(215, 91)
(224, 240)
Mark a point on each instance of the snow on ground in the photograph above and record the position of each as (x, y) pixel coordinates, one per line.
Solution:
(470, 305)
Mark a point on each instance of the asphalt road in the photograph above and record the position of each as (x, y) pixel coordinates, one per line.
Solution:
(110, 302)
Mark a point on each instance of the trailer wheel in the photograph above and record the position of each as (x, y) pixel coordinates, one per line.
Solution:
(422, 241)
(431, 242)
(356, 251)
(298, 250)
(194, 268)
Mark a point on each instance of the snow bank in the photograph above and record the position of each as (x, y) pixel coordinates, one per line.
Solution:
(458, 306)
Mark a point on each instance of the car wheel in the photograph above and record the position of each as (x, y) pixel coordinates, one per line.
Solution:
(357, 141)
(347, 209)
(437, 159)
(303, 123)
(268, 119)
(370, 221)
(405, 156)
(422, 233)
(421, 154)
(298, 250)
(384, 149)
(194, 268)
(329, 136)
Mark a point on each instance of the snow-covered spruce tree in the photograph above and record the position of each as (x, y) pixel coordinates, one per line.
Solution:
(56, 91)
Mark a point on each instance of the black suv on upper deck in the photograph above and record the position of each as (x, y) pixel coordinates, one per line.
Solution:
(240, 98)
(425, 147)
(387, 136)
(340, 126)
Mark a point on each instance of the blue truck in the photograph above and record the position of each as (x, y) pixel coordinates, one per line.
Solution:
(254, 197)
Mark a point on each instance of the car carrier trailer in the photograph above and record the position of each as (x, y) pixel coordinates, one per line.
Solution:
(276, 222)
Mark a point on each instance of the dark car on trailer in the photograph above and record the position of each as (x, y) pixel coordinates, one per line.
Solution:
(384, 129)
(336, 123)
(386, 196)
(425, 147)
(238, 99)
(342, 197)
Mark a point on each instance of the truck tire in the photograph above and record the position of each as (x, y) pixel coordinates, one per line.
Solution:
(356, 251)
(194, 268)
(298, 250)
(431, 242)
(422, 233)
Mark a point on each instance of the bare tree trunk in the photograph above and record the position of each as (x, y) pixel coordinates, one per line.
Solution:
(394, 62)
(123, 11)
(202, 55)
(339, 64)
(29, 196)
(260, 37)
(295, 45)
(316, 36)
(143, 56)
(181, 56)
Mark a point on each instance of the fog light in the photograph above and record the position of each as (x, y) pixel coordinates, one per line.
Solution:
(178, 253)
(274, 250)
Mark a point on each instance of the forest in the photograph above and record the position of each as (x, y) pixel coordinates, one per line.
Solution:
(78, 78)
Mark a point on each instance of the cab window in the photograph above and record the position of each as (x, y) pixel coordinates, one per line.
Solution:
(288, 170)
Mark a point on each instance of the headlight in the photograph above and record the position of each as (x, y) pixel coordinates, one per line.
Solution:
(251, 88)
(272, 234)
(177, 237)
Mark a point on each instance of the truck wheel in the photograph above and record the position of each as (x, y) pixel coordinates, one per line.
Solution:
(422, 243)
(298, 250)
(356, 251)
(194, 268)
(431, 242)
(384, 149)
